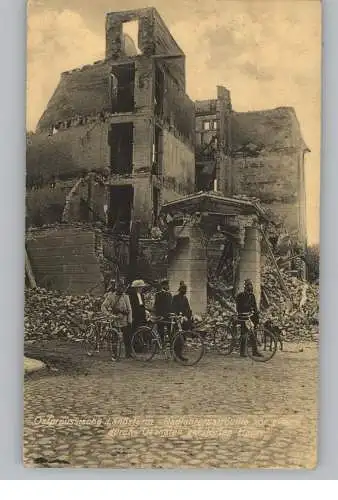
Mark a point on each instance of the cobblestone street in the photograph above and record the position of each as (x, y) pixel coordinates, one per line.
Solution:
(223, 413)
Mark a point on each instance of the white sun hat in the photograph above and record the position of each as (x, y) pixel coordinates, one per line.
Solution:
(138, 284)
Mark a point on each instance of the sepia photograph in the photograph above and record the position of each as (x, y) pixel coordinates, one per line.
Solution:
(172, 234)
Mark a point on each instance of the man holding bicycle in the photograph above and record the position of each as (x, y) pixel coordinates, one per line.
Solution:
(118, 303)
(246, 304)
(180, 305)
(162, 306)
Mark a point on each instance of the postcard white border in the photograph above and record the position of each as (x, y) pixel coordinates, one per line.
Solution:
(12, 180)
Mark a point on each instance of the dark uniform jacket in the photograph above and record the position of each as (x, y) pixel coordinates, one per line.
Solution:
(246, 303)
(163, 303)
(139, 310)
(180, 304)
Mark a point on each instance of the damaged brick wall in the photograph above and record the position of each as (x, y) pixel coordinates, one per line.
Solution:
(178, 138)
(114, 30)
(153, 260)
(178, 167)
(45, 205)
(66, 259)
(67, 154)
(273, 177)
(178, 108)
(154, 38)
(81, 92)
(76, 131)
(166, 44)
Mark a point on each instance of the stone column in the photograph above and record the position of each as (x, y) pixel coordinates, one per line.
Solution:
(250, 261)
(224, 166)
(198, 272)
(189, 264)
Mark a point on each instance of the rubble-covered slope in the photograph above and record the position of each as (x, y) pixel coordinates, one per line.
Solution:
(49, 314)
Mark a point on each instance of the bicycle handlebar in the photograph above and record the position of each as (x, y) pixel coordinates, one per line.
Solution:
(171, 316)
(244, 316)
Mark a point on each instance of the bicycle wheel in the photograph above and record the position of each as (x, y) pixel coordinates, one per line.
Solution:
(91, 341)
(187, 347)
(143, 344)
(266, 344)
(225, 338)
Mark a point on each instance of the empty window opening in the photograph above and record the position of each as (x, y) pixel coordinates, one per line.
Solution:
(130, 31)
(210, 125)
(159, 91)
(121, 148)
(120, 208)
(122, 82)
(205, 139)
(205, 174)
(157, 152)
(209, 146)
(84, 210)
(156, 204)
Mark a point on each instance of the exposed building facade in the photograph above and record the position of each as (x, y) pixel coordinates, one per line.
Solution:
(127, 117)
(260, 154)
(121, 142)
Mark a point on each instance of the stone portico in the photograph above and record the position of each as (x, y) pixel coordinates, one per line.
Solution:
(192, 220)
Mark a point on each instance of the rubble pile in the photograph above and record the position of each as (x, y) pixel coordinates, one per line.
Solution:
(296, 316)
(50, 314)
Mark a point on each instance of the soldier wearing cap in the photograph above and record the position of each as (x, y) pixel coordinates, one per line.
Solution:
(180, 305)
(163, 305)
(245, 304)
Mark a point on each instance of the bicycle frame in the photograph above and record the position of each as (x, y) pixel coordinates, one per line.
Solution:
(102, 329)
(172, 323)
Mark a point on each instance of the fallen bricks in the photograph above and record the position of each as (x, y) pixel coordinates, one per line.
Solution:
(298, 318)
(48, 314)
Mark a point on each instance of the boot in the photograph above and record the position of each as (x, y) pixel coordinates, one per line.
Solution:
(254, 347)
(127, 341)
(243, 347)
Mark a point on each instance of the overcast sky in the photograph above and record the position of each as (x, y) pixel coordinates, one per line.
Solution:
(267, 53)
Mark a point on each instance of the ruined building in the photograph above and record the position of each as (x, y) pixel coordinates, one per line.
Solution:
(127, 117)
(259, 154)
(120, 143)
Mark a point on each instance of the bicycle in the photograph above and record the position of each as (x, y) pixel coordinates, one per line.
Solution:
(216, 334)
(184, 346)
(229, 338)
(103, 332)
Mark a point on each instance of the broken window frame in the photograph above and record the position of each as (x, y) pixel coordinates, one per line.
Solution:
(122, 96)
(120, 142)
(159, 91)
(211, 124)
(117, 222)
(157, 151)
(131, 34)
